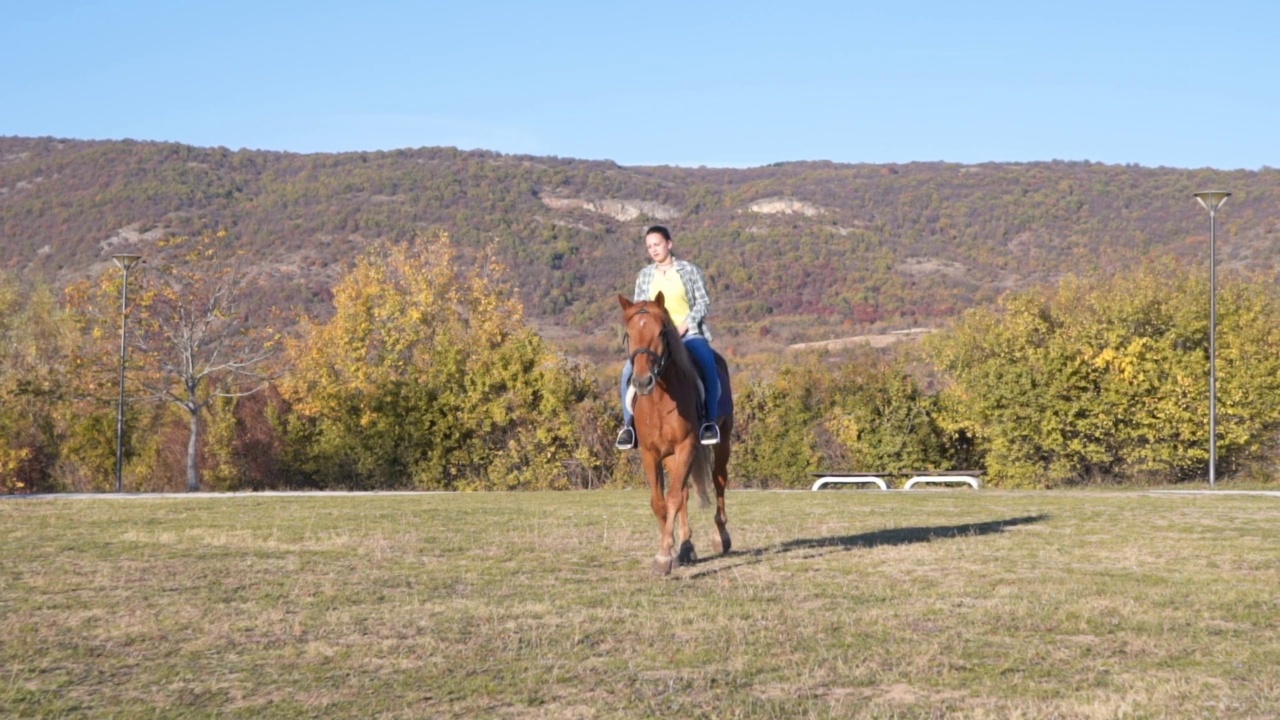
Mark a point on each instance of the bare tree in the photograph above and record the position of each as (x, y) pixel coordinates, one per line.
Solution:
(196, 337)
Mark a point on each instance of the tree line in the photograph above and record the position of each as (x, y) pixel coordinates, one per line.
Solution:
(426, 374)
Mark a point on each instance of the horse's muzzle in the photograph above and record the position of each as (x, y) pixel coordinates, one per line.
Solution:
(643, 384)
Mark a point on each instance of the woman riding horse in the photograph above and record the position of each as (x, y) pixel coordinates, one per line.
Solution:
(685, 293)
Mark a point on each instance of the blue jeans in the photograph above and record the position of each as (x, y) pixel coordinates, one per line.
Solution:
(700, 350)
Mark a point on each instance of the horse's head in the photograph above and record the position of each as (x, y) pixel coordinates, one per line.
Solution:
(648, 340)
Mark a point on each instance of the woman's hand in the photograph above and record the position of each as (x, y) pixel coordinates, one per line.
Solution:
(683, 328)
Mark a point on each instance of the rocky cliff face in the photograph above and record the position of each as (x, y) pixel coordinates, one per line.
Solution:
(620, 210)
(785, 206)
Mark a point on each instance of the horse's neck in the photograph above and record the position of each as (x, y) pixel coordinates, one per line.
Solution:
(681, 360)
(681, 375)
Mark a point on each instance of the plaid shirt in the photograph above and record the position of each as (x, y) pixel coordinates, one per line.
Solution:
(695, 290)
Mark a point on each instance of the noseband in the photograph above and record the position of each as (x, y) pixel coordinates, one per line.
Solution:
(659, 361)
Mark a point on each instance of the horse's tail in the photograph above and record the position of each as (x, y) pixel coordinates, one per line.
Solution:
(702, 459)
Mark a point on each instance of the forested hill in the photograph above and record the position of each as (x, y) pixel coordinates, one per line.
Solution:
(819, 247)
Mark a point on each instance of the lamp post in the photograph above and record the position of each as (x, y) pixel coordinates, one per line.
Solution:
(1211, 200)
(125, 262)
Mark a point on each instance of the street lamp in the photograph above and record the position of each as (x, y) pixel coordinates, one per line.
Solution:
(125, 262)
(1211, 200)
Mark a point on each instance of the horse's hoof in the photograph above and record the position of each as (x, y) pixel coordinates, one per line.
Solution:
(687, 555)
(721, 542)
(663, 567)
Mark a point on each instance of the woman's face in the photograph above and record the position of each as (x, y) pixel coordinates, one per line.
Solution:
(659, 247)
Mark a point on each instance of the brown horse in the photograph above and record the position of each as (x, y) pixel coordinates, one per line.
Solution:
(667, 398)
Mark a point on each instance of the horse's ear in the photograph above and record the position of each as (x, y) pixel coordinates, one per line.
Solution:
(624, 302)
(660, 300)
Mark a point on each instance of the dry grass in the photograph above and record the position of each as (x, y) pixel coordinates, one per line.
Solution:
(837, 604)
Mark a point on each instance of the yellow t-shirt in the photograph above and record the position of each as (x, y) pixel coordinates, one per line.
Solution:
(673, 294)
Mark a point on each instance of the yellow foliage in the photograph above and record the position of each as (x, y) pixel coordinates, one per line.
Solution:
(1108, 377)
(427, 375)
(10, 460)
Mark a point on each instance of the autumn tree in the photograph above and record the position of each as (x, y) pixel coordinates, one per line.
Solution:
(427, 376)
(36, 340)
(195, 338)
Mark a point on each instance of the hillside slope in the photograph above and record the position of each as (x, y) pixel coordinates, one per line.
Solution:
(818, 248)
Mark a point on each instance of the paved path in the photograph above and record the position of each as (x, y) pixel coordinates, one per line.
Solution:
(372, 493)
(1206, 491)
(205, 495)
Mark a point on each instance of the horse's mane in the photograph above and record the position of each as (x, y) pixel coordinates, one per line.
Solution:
(679, 353)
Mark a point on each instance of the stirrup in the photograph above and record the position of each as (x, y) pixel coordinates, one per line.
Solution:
(626, 438)
(709, 434)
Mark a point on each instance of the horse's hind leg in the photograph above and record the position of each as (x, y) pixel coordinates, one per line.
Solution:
(720, 476)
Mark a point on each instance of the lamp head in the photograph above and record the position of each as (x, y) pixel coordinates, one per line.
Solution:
(126, 261)
(1211, 200)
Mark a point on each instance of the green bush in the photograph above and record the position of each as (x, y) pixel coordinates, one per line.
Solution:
(1107, 378)
(867, 413)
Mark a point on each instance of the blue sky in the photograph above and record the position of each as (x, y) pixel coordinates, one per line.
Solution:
(738, 84)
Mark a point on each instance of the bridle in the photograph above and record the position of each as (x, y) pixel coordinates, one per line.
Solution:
(657, 360)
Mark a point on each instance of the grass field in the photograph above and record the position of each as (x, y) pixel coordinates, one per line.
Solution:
(846, 603)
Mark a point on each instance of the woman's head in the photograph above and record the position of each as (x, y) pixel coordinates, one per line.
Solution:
(657, 241)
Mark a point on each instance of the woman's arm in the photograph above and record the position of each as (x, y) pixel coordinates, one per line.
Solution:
(642, 284)
(699, 301)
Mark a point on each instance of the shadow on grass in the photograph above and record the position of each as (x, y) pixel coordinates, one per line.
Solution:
(892, 536)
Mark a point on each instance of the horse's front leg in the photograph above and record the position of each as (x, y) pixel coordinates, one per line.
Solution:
(658, 501)
(678, 500)
(687, 555)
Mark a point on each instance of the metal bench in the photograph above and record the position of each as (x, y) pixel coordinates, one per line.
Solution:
(968, 477)
(833, 478)
(917, 477)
